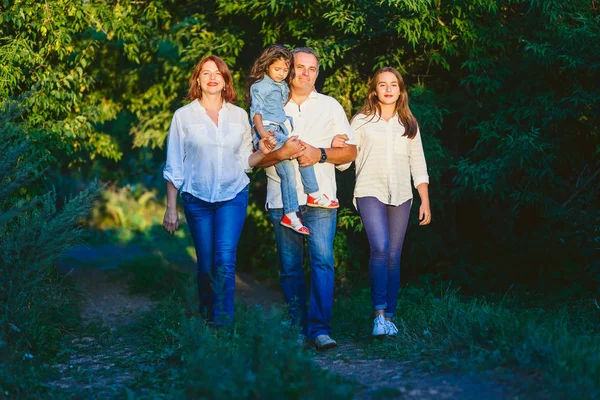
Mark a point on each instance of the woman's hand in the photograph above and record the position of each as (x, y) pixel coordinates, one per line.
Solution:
(424, 213)
(171, 220)
(267, 144)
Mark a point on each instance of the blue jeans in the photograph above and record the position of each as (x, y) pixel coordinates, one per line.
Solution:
(386, 227)
(314, 320)
(287, 174)
(216, 229)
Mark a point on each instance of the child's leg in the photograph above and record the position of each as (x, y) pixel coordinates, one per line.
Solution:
(289, 196)
(309, 179)
(311, 187)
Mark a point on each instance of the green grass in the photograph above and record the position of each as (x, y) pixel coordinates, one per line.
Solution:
(442, 329)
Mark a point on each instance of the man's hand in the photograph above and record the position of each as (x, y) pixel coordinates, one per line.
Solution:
(339, 141)
(311, 155)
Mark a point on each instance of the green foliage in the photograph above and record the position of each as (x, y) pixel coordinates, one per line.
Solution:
(37, 305)
(441, 328)
(505, 93)
(192, 359)
(251, 364)
(127, 211)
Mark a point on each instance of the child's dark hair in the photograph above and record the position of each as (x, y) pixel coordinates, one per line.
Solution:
(269, 55)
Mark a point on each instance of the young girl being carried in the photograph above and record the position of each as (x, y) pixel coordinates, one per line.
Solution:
(268, 93)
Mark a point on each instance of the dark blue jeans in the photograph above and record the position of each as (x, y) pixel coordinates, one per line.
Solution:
(315, 320)
(386, 227)
(216, 229)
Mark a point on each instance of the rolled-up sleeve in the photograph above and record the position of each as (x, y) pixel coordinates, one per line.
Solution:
(418, 166)
(257, 99)
(246, 147)
(341, 126)
(173, 171)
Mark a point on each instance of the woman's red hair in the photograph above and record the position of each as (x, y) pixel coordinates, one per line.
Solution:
(228, 93)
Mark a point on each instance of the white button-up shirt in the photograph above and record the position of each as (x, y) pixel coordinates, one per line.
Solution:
(386, 160)
(206, 160)
(316, 121)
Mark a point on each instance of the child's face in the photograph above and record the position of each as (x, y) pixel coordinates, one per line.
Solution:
(278, 70)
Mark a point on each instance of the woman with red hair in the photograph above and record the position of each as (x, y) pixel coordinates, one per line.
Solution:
(209, 151)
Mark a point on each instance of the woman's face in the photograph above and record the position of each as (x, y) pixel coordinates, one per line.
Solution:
(387, 88)
(210, 80)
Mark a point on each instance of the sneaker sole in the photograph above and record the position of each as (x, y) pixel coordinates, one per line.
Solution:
(319, 206)
(292, 228)
(326, 347)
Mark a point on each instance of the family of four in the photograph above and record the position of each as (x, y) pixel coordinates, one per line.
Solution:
(300, 137)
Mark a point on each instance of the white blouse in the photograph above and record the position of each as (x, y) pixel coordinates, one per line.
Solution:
(386, 160)
(206, 160)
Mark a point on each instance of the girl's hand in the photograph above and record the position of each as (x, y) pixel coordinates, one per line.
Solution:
(267, 144)
(339, 141)
(171, 220)
(424, 214)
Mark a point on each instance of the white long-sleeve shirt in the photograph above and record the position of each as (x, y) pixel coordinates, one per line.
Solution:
(386, 160)
(206, 160)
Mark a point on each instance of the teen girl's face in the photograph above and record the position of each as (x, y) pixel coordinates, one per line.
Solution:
(278, 70)
(387, 88)
(210, 80)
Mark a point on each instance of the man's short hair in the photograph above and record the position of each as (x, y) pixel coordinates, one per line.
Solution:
(307, 50)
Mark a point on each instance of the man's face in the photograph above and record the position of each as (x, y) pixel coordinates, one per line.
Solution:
(307, 69)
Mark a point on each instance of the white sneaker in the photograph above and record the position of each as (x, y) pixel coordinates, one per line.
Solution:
(390, 328)
(379, 326)
(324, 342)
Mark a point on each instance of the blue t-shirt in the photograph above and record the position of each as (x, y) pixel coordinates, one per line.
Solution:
(268, 98)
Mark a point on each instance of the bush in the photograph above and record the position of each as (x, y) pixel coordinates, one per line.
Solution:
(37, 305)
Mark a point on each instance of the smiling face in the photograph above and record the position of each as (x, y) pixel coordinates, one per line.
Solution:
(306, 69)
(278, 70)
(211, 80)
(387, 88)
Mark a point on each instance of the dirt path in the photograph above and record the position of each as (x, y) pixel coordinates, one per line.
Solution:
(104, 363)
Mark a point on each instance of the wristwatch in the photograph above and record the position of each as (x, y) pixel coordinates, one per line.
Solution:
(323, 155)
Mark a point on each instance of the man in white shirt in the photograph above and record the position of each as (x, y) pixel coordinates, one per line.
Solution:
(317, 119)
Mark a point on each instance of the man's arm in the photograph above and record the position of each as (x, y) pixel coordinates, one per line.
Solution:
(335, 155)
(291, 149)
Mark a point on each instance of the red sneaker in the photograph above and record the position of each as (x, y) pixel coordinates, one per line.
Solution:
(295, 225)
(321, 201)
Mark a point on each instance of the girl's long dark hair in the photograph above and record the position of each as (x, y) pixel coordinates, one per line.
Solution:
(269, 55)
(405, 116)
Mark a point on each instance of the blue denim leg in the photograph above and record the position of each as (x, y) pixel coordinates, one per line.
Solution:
(290, 247)
(322, 225)
(229, 221)
(215, 230)
(374, 218)
(309, 179)
(386, 227)
(287, 175)
(200, 219)
(397, 222)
